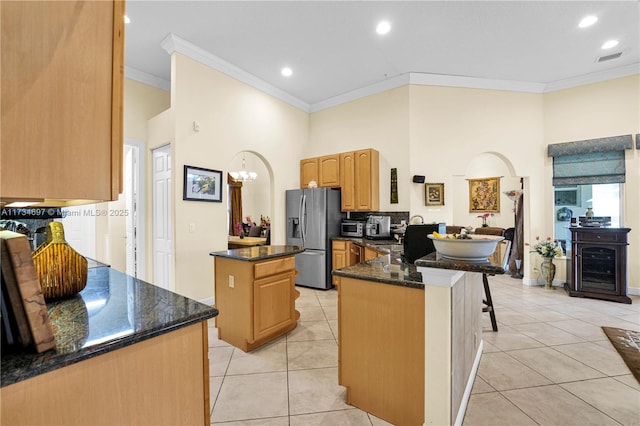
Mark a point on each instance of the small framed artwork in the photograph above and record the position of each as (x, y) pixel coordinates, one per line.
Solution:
(484, 195)
(202, 184)
(434, 194)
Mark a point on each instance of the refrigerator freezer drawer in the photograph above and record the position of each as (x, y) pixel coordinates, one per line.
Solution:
(312, 265)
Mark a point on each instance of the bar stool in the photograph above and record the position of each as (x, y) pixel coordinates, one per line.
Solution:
(488, 301)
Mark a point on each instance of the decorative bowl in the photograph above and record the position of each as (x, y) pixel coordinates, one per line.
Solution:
(479, 247)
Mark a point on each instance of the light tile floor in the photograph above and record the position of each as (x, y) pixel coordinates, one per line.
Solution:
(549, 364)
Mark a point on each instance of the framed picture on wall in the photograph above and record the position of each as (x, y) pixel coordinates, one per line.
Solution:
(434, 194)
(202, 184)
(484, 195)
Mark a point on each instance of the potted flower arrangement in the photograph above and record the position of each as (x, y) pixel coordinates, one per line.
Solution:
(548, 249)
(484, 218)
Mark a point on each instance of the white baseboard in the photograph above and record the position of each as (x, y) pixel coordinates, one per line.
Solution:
(635, 291)
(467, 389)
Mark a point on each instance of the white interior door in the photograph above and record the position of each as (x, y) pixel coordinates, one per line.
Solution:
(162, 257)
(80, 229)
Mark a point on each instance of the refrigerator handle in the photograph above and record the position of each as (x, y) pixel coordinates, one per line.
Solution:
(301, 214)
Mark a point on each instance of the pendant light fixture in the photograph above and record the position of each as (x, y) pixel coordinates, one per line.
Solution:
(243, 175)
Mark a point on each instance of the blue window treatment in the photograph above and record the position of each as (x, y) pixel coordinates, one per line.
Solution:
(591, 161)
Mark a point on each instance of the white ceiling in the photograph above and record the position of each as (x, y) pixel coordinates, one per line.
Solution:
(333, 48)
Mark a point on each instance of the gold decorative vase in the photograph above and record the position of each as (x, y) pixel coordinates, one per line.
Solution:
(62, 270)
(548, 272)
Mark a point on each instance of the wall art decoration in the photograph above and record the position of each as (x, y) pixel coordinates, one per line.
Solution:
(434, 194)
(202, 184)
(394, 186)
(484, 195)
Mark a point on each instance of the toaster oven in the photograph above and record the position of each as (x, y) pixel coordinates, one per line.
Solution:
(352, 228)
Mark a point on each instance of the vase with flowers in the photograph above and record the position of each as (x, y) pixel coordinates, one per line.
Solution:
(548, 249)
(484, 218)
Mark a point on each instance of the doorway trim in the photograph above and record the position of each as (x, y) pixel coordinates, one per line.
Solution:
(140, 207)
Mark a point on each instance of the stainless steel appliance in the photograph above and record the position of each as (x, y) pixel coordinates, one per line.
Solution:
(416, 243)
(378, 227)
(313, 218)
(352, 228)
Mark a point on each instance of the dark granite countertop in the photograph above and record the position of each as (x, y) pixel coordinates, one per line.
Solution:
(113, 311)
(252, 254)
(381, 246)
(434, 260)
(390, 269)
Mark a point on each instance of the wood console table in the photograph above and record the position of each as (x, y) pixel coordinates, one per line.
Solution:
(597, 267)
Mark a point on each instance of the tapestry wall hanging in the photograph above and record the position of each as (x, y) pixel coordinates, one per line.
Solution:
(484, 195)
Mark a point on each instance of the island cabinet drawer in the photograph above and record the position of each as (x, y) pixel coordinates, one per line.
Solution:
(275, 266)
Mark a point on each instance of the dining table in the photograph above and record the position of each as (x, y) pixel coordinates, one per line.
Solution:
(234, 241)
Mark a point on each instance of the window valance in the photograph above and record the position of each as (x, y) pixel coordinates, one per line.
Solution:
(613, 143)
(590, 161)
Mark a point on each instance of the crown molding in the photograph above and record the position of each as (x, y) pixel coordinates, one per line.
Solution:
(595, 77)
(372, 89)
(146, 78)
(424, 79)
(172, 43)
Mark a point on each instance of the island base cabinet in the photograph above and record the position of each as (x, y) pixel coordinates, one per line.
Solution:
(256, 300)
(381, 332)
(160, 381)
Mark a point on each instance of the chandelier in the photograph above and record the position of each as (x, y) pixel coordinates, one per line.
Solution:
(243, 175)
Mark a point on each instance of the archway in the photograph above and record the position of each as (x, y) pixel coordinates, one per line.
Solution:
(257, 196)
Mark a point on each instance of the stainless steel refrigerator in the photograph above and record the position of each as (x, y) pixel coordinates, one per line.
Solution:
(313, 219)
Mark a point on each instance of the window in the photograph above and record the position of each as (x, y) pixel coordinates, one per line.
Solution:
(572, 202)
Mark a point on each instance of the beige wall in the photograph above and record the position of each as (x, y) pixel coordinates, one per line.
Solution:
(141, 102)
(233, 117)
(379, 121)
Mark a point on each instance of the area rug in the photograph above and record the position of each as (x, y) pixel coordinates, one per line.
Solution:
(627, 343)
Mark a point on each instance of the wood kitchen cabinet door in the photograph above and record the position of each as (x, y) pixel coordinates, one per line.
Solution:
(273, 305)
(308, 171)
(62, 95)
(359, 180)
(348, 181)
(329, 174)
(339, 256)
(367, 180)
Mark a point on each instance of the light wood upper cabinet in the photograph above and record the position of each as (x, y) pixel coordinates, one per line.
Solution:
(308, 171)
(367, 174)
(348, 181)
(62, 95)
(329, 171)
(360, 180)
(356, 173)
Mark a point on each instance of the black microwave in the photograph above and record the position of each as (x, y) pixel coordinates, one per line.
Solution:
(352, 228)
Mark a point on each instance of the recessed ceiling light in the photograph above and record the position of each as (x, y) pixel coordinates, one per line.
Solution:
(383, 27)
(126, 19)
(587, 21)
(609, 44)
(286, 71)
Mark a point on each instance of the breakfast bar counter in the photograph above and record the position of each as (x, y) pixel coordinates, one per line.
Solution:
(429, 316)
(118, 341)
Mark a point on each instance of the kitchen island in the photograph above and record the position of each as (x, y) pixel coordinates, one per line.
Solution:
(409, 336)
(255, 293)
(127, 352)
